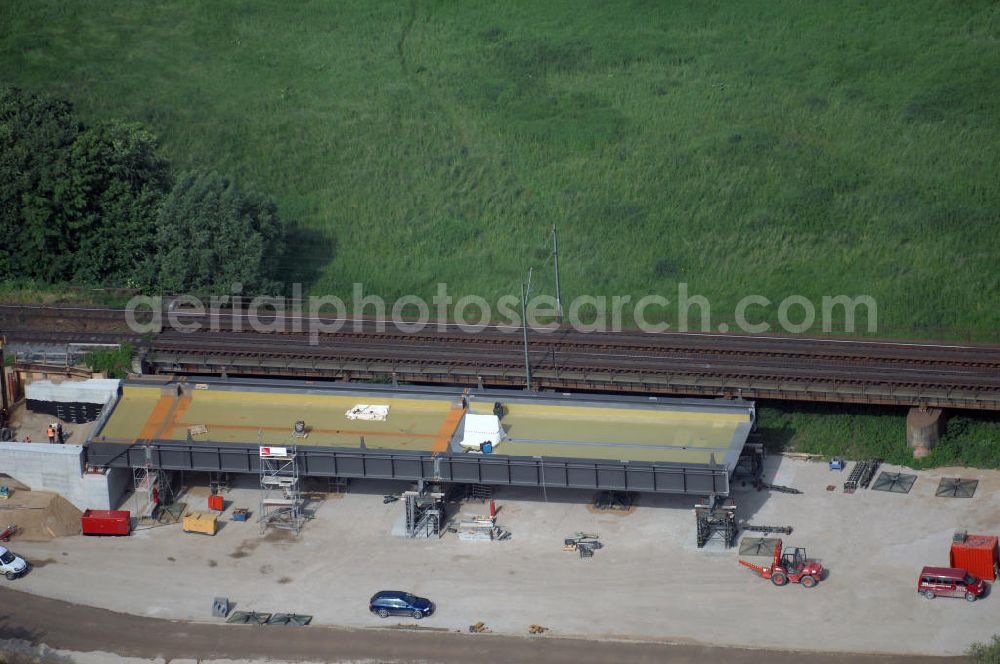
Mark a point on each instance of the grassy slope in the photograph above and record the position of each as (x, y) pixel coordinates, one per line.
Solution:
(754, 147)
(751, 147)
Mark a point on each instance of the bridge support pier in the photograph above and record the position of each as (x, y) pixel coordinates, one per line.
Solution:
(924, 427)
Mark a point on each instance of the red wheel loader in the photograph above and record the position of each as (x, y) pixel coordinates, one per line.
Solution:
(789, 565)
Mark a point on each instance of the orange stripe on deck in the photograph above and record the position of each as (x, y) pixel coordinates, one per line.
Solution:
(447, 429)
(175, 414)
(157, 418)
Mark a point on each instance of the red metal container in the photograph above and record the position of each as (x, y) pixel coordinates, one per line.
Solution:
(216, 503)
(105, 522)
(978, 554)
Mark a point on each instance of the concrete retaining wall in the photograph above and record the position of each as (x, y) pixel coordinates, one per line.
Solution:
(59, 468)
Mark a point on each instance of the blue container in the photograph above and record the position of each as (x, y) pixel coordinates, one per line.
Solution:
(487, 448)
(836, 464)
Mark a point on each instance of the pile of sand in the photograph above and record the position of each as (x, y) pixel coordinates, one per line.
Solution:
(39, 515)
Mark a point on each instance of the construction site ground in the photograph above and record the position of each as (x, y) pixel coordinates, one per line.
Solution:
(35, 425)
(649, 582)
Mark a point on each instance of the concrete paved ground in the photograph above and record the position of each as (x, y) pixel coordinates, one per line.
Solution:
(36, 630)
(650, 582)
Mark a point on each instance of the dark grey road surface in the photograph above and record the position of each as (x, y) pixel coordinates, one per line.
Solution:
(78, 628)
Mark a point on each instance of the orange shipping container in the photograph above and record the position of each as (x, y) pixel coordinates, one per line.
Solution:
(978, 554)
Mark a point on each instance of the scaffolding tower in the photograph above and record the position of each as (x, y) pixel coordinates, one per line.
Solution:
(280, 491)
(715, 521)
(150, 487)
(424, 514)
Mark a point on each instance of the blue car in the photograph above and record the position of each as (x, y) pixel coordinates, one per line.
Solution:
(387, 603)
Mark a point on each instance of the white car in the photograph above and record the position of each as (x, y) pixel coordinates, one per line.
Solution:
(11, 566)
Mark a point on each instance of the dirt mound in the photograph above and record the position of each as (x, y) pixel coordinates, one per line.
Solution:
(39, 515)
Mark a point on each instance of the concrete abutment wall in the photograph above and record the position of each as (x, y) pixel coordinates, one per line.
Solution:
(59, 468)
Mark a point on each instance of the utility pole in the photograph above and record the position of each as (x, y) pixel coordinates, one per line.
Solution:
(555, 260)
(525, 291)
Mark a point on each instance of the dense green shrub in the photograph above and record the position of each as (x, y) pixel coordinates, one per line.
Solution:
(99, 205)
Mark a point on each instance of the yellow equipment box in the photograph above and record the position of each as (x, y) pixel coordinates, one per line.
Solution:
(199, 522)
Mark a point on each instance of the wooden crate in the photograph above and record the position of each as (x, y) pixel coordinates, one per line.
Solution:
(199, 522)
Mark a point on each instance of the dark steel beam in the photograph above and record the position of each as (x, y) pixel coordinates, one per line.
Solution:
(672, 478)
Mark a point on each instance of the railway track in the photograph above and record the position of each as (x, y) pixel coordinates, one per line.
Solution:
(574, 358)
(818, 369)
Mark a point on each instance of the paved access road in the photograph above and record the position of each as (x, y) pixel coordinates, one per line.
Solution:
(71, 627)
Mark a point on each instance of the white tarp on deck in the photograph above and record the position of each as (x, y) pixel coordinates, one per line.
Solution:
(368, 412)
(481, 429)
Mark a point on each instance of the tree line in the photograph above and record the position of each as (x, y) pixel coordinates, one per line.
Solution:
(99, 205)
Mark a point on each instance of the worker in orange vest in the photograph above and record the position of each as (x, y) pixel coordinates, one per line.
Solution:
(52, 434)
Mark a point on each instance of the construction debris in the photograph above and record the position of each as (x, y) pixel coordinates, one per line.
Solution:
(761, 485)
(482, 526)
(583, 543)
(537, 629)
(786, 530)
(801, 456)
(479, 628)
(614, 500)
(389, 499)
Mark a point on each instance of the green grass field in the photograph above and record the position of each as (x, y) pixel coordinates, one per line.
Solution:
(770, 148)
